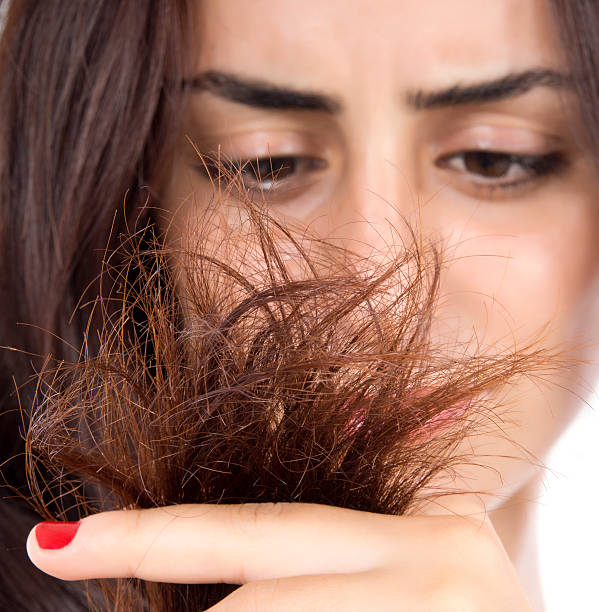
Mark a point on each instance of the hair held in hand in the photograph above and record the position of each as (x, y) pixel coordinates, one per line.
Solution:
(265, 367)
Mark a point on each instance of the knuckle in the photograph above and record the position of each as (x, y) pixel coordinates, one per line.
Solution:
(254, 518)
(471, 539)
(133, 523)
(469, 568)
(132, 535)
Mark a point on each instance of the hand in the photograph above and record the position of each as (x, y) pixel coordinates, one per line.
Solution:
(297, 557)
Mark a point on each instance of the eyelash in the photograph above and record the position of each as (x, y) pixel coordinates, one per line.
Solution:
(278, 170)
(272, 170)
(532, 167)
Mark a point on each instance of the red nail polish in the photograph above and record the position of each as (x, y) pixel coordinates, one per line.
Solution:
(52, 535)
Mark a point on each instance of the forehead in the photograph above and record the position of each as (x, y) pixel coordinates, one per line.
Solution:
(326, 43)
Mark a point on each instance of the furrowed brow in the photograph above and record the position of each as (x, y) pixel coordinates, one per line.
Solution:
(261, 94)
(509, 86)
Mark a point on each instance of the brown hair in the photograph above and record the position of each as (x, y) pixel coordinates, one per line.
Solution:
(578, 30)
(321, 388)
(87, 119)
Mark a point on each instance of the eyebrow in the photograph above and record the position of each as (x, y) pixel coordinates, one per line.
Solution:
(509, 86)
(262, 94)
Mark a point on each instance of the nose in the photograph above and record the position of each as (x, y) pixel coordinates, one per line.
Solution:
(375, 204)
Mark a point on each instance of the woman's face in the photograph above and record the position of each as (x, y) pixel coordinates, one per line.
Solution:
(455, 116)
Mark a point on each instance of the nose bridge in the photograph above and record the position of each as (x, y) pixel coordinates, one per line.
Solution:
(377, 203)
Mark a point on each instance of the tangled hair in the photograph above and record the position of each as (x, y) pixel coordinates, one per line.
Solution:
(280, 373)
(89, 115)
(242, 380)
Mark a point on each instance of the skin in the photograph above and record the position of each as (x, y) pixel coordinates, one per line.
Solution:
(520, 269)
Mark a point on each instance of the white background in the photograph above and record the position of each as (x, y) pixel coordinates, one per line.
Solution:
(569, 519)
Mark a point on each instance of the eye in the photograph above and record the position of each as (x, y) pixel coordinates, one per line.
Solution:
(501, 169)
(265, 173)
(486, 163)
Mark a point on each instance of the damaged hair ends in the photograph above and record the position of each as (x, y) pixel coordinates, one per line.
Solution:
(87, 116)
(289, 371)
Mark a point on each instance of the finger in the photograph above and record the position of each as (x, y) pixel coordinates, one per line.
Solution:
(218, 543)
(334, 593)
(235, 544)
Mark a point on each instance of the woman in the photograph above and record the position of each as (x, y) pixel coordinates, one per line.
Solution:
(460, 119)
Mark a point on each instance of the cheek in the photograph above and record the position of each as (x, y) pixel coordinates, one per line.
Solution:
(514, 288)
(533, 283)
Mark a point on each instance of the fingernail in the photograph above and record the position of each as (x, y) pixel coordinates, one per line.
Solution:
(52, 535)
